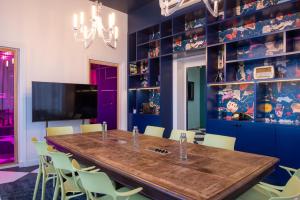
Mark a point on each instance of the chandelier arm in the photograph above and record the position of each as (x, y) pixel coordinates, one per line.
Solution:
(213, 11)
(88, 35)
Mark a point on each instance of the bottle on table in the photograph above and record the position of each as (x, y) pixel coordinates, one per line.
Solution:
(183, 146)
(104, 130)
(135, 135)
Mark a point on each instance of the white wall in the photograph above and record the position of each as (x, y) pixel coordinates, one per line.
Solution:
(42, 30)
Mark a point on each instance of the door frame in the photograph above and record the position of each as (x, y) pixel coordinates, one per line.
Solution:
(180, 67)
(110, 64)
(16, 104)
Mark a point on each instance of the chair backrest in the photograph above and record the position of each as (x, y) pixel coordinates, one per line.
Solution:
(154, 131)
(55, 131)
(292, 187)
(219, 141)
(88, 128)
(95, 182)
(60, 160)
(40, 147)
(175, 135)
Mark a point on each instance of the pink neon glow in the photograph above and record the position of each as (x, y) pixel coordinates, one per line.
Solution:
(6, 107)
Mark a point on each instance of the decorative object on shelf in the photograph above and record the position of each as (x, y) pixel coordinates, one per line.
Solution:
(279, 110)
(273, 48)
(194, 20)
(154, 101)
(255, 50)
(154, 36)
(144, 67)
(241, 74)
(189, 41)
(147, 109)
(264, 72)
(265, 106)
(178, 44)
(221, 61)
(144, 81)
(295, 107)
(109, 35)
(241, 117)
(168, 7)
(296, 43)
(133, 70)
(252, 28)
(134, 111)
(154, 50)
(195, 41)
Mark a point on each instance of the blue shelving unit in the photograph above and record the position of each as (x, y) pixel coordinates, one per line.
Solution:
(234, 31)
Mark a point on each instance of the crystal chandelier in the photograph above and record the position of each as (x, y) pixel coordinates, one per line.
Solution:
(87, 35)
(168, 7)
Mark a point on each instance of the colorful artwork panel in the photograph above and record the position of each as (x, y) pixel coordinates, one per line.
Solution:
(251, 28)
(248, 6)
(235, 99)
(280, 103)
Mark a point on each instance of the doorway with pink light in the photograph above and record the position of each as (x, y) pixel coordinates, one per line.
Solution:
(105, 76)
(8, 106)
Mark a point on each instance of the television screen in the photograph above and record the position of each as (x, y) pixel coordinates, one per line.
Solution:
(61, 101)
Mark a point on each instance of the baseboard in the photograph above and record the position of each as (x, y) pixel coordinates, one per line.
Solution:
(9, 166)
(29, 163)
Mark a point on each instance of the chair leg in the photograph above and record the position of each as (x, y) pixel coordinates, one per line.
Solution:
(43, 186)
(54, 181)
(56, 190)
(37, 183)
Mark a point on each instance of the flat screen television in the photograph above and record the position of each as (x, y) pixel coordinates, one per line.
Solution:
(63, 101)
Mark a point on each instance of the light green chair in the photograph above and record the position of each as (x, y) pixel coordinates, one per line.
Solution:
(190, 135)
(68, 183)
(89, 128)
(219, 141)
(154, 131)
(46, 169)
(55, 131)
(264, 191)
(95, 182)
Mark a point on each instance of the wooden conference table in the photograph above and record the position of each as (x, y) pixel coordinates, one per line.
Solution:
(209, 173)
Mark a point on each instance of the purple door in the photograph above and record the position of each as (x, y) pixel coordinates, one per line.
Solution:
(7, 154)
(106, 79)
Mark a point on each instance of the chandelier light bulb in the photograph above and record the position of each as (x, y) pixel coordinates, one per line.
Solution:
(7, 63)
(116, 32)
(13, 61)
(94, 11)
(81, 18)
(75, 22)
(111, 20)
